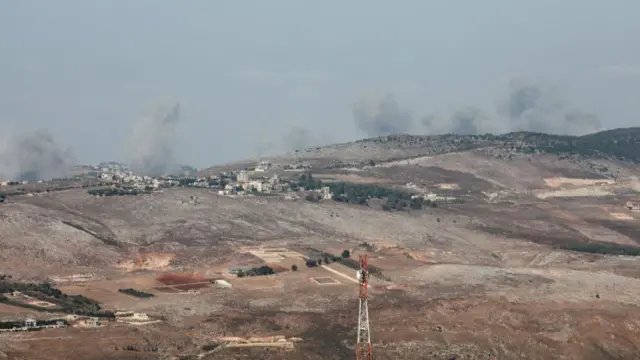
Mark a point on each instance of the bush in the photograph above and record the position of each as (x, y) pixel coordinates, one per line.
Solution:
(259, 271)
(136, 293)
(312, 197)
(346, 254)
(118, 191)
(294, 267)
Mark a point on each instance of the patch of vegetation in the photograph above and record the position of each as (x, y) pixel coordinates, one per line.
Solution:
(623, 144)
(2, 197)
(567, 243)
(72, 304)
(355, 265)
(259, 271)
(210, 347)
(360, 194)
(136, 293)
(119, 191)
(350, 263)
(19, 324)
(188, 181)
(603, 248)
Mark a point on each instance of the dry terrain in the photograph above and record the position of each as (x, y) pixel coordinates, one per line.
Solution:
(510, 271)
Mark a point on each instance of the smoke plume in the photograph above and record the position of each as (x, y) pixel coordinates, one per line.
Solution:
(386, 118)
(528, 107)
(299, 138)
(467, 121)
(578, 122)
(34, 156)
(427, 121)
(152, 142)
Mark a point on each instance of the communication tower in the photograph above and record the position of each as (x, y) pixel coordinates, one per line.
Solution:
(363, 346)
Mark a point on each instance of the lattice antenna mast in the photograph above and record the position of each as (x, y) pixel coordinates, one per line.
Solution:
(363, 346)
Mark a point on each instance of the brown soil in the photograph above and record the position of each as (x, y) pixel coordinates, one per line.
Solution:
(277, 268)
(174, 279)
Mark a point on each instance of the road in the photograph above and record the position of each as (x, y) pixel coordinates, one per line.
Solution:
(339, 273)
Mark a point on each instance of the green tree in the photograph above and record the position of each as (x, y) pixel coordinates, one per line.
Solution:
(416, 203)
(294, 267)
(346, 254)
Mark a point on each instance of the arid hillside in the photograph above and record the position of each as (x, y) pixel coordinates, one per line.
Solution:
(521, 254)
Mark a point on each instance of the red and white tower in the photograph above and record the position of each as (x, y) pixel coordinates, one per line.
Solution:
(363, 346)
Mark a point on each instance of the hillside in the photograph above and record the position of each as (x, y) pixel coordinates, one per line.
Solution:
(530, 249)
(620, 144)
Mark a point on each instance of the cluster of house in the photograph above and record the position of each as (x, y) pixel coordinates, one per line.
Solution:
(8, 183)
(428, 195)
(131, 179)
(244, 184)
(30, 324)
(110, 166)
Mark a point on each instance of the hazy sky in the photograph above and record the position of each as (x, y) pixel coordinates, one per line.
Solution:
(248, 72)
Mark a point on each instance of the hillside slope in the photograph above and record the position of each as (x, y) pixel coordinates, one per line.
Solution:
(621, 144)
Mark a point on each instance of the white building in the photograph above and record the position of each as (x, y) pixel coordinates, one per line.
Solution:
(633, 206)
(263, 166)
(326, 193)
(255, 185)
(30, 323)
(222, 283)
(243, 176)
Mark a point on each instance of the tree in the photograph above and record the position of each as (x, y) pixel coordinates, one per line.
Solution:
(294, 267)
(416, 203)
(326, 259)
(346, 254)
(312, 198)
(319, 262)
(241, 274)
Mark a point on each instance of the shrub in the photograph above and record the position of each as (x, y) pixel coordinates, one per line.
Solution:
(136, 293)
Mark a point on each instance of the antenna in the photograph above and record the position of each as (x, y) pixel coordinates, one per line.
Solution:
(363, 346)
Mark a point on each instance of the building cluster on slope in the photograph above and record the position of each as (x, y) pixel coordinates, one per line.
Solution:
(633, 206)
(426, 194)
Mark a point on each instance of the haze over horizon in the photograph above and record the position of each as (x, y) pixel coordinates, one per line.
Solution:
(82, 81)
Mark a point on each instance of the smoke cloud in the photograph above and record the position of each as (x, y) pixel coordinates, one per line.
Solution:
(578, 122)
(299, 138)
(34, 156)
(528, 107)
(386, 118)
(152, 143)
(464, 121)
(428, 121)
(467, 121)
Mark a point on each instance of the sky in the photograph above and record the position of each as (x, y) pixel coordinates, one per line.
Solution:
(255, 77)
